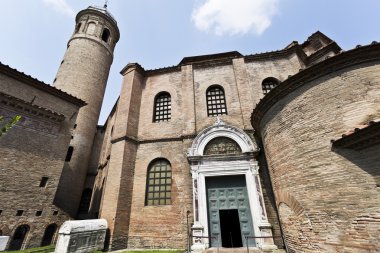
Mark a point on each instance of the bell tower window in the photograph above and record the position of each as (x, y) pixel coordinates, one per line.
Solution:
(105, 35)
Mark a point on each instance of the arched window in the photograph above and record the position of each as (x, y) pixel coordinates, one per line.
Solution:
(85, 201)
(159, 183)
(222, 146)
(216, 102)
(268, 84)
(162, 107)
(48, 235)
(19, 237)
(105, 35)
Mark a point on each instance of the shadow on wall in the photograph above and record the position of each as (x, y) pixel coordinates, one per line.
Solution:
(367, 159)
(64, 192)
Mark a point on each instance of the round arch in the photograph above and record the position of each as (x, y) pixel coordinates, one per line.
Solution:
(287, 199)
(49, 234)
(19, 237)
(221, 129)
(4, 230)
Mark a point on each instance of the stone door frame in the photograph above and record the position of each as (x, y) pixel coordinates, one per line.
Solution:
(211, 166)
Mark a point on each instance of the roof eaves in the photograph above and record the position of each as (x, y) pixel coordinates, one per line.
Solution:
(343, 60)
(361, 137)
(29, 80)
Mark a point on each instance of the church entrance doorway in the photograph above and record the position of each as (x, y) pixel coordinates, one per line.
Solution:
(229, 214)
(230, 228)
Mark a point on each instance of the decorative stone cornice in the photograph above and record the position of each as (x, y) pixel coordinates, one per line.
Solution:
(206, 59)
(164, 70)
(29, 108)
(132, 66)
(135, 141)
(359, 55)
(222, 59)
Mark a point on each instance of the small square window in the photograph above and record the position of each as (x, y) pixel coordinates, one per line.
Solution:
(39, 213)
(55, 213)
(1, 211)
(43, 181)
(19, 212)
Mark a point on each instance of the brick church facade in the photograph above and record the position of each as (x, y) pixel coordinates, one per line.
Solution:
(277, 150)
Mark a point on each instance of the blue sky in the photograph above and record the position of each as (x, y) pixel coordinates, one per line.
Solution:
(159, 33)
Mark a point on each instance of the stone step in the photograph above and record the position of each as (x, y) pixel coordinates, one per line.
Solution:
(242, 250)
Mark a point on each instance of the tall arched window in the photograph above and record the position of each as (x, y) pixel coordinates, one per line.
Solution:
(268, 84)
(19, 237)
(85, 201)
(159, 183)
(216, 101)
(105, 35)
(162, 107)
(47, 239)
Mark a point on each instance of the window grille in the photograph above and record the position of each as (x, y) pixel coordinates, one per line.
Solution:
(216, 102)
(159, 181)
(162, 107)
(268, 84)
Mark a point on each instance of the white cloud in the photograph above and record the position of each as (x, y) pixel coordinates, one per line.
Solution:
(61, 6)
(235, 16)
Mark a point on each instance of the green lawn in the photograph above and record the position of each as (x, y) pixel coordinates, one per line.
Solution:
(45, 249)
(50, 248)
(149, 251)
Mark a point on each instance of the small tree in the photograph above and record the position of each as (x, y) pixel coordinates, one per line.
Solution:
(9, 124)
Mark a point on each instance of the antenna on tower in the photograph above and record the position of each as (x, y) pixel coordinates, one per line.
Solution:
(106, 4)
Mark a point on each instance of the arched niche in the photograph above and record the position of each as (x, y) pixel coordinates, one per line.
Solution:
(221, 129)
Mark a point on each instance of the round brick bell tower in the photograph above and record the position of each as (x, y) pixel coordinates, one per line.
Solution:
(83, 73)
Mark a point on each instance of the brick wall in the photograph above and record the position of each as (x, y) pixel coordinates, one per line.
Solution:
(34, 148)
(330, 197)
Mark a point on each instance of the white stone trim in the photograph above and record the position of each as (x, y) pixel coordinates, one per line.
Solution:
(201, 168)
(220, 129)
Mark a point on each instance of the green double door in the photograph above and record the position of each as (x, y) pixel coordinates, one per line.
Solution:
(229, 214)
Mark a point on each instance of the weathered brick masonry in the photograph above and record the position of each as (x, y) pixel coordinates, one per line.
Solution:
(132, 140)
(326, 193)
(328, 196)
(34, 148)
